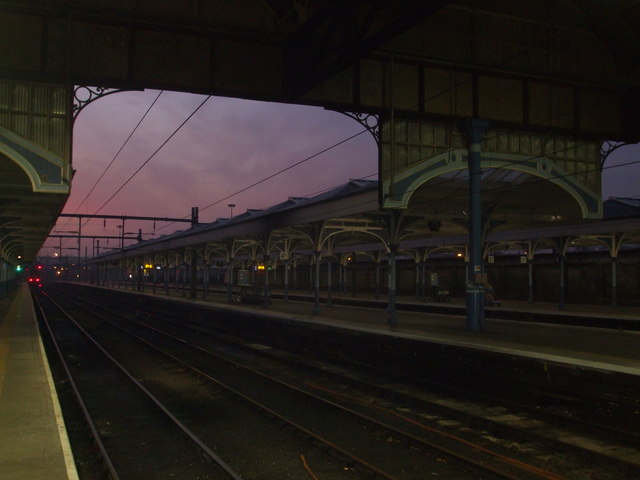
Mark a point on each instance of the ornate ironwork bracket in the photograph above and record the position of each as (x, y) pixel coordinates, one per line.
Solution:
(608, 147)
(83, 96)
(368, 120)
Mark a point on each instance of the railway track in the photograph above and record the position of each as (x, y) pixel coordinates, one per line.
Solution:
(366, 446)
(411, 433)
(610, 406)
(135, 433)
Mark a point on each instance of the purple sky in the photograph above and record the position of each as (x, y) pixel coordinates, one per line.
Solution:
(226, 146)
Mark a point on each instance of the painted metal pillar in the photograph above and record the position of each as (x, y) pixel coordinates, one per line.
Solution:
(530, 267)
(311, 270)
(230, 281)
(391, 257)
(265, 295)
(295, 275)
(353, 276)
(286, 280)
(329, 299)
(417, 278)
(377, 293)
(185, 267)
(341, 278)
(316, 286)
(205, 280)
(139, 277)
(475, 290)
(614, 281)
(166, 278)
(562, 305)
(155, 277)
(193, 277)
(423, 281)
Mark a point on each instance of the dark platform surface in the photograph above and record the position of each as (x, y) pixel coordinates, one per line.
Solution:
(33, 438)
(539, 330)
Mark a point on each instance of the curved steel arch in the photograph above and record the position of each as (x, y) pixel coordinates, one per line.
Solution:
(28, 157)
(355, 229)
(455, 160)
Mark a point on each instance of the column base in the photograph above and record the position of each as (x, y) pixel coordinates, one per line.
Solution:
(475, 308)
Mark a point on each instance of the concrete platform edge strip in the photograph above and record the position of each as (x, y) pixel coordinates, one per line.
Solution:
(72, 473)
(518, 352)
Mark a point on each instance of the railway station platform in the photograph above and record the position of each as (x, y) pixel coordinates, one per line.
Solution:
(542, 332)
(587, 347)
(33, 438)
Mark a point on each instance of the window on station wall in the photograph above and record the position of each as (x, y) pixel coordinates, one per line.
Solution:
(579, 158)
(38, 113)
(417, 141)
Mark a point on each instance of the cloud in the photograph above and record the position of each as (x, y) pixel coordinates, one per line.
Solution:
(228, 145)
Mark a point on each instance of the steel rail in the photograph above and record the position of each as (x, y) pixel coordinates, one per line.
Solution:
(409, 437)
(76, 391)
(202, 446)
(364, 464)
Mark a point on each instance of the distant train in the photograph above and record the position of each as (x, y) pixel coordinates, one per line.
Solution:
(35, 276)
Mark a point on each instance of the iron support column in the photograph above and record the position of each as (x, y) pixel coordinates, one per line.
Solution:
(329, 299)
(155, 278)
(230, 281)
(530, 267)
(475, 291)
(166, 278)
(205, 280)
(417, 278)
(316, 286)
(295, 275)
(391, 257)
(286, 280)
(562, 305)
(377, 293)
(185, 266)
(353, 276)
(265, 300)
(614, 281)
(139, 278)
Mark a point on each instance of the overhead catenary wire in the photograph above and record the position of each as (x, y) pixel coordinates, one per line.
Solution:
(113, 160)
(118, 152)
(216, 14)
(463, 195)
(505, 62)
(549, 39)
(294, 165)
(132, 176)
(450, 150)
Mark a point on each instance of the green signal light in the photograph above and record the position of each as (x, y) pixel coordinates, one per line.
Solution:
(19, 268)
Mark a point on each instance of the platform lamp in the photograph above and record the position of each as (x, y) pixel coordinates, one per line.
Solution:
(231, 205)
